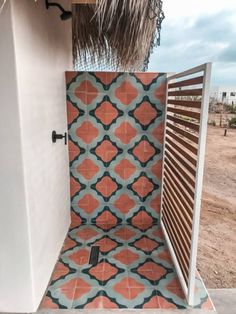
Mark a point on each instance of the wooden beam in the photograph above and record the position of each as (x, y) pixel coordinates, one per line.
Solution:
(193, 81)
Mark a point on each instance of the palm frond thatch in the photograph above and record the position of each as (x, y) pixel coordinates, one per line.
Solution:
(123, 32)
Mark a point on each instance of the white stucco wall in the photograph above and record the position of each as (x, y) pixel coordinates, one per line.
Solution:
(16, 289)
(37, 95)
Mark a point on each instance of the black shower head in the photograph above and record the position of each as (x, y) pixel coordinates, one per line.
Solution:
(65, 14)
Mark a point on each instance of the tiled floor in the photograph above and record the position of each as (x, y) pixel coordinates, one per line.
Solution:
(134, 271)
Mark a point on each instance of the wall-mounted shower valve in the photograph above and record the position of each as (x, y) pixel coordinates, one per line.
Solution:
(56, 137)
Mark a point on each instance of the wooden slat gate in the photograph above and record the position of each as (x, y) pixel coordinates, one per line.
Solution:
(185, 137)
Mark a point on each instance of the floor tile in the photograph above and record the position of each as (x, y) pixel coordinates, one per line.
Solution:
(134, 270)
(47, 303)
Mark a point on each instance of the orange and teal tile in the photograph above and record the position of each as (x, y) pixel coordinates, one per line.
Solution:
(116, 130)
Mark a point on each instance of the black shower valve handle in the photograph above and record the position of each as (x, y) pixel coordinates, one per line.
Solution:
(56, 137)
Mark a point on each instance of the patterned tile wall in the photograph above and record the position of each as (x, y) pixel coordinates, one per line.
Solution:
(115, 123)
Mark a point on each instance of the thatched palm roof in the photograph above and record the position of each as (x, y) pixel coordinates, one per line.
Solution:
(121, 33)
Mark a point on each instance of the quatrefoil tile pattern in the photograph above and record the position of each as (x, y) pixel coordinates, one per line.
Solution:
(115, 123)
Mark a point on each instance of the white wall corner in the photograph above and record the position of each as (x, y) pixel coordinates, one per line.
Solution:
(34, 179)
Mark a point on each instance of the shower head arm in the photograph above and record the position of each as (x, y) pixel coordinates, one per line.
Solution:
(55, 4)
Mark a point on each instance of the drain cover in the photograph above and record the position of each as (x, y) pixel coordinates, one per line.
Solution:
(93, 259)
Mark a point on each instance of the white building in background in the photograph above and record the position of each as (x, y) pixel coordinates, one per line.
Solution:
(226, 95)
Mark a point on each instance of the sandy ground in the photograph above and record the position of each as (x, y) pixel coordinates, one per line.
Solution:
(217, 245)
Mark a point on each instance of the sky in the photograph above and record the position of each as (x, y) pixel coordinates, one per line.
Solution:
(195, 32)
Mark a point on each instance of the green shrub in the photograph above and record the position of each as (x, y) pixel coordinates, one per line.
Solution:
(212, 122)
(232, 122)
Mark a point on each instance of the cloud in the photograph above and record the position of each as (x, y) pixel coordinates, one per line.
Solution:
(187, 42)
(215, 27)
(223, 74)
(228, 54)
